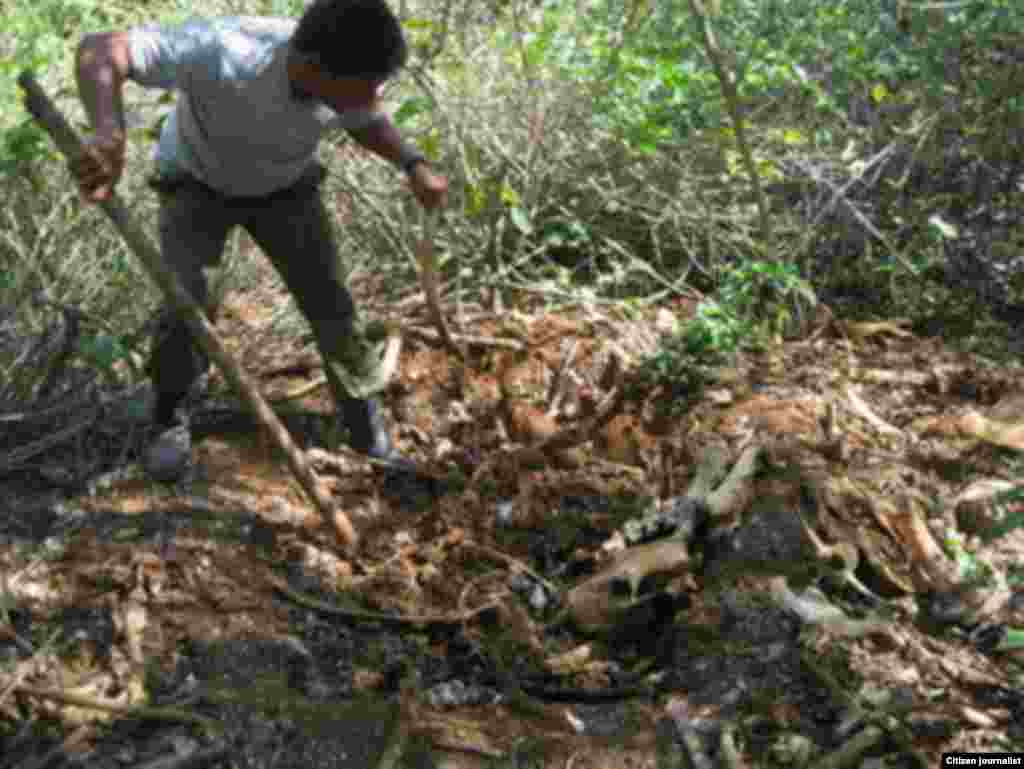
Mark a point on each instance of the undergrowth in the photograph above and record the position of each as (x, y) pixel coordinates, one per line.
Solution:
(767, 155)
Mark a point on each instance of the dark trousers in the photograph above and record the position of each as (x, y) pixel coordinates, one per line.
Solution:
(293, 229)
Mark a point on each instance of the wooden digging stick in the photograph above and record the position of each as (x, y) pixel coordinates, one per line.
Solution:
(50, 118)
(426, 257)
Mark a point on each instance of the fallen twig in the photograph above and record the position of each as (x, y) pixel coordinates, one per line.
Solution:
(737, 490)
(515, 563)
(301, 391)
(556, 392)
(394, 621)
(14, 459)
(433, 337)
(851, 752)
(861, 409)
(195, 760)
(146, 712)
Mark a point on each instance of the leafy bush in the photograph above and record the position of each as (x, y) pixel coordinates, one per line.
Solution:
(755, 304)
(38, 36)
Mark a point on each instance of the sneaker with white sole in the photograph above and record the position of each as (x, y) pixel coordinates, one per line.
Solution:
(368, 433)
(167, 456)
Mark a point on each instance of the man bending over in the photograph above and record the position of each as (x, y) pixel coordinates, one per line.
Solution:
(255, 97)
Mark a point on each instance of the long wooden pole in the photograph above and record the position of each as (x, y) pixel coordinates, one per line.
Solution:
(50, 118)
(426, 257)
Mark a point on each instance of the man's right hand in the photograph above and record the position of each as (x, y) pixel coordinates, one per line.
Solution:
(99, 167)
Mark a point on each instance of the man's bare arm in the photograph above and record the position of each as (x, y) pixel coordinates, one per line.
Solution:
(383, 139)
(102, 65)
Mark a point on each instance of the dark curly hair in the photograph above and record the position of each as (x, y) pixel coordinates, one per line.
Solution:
(352, 38)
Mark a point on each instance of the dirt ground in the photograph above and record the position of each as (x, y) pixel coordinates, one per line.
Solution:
(134, 590)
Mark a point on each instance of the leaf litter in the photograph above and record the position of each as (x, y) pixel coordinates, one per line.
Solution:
(216, 608)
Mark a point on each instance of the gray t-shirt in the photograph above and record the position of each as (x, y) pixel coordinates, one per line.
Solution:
(237, 126)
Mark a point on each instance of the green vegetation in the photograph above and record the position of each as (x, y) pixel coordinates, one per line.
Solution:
(614, 149)
(1011, 506)
(770, 154)
(971, 570)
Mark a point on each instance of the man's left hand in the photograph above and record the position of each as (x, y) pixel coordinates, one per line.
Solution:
(430, 189)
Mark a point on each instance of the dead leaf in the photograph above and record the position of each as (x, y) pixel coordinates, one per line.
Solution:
(572, 661)
(908, 526)
(1010, 436)
(623, 440)
(861, 332)
(597, 604)
(133, 620)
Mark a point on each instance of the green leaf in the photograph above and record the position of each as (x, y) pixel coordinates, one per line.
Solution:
(410, 108)
(521, 220)
(103, 350)
(475, 200)
(431, 144)
(415, 23)
(945, 229)
(509, 196)
(1012, 640)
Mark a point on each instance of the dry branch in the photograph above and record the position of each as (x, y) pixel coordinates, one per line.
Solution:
(556, 392)
(861, 409)
(431, 336)
(426, 257)
(177, 715)
(737, 490)
(728, 82)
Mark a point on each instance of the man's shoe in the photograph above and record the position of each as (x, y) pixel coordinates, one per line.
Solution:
(368, 434)
(167, 456)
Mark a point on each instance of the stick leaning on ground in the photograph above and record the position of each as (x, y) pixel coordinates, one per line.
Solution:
(49, 117)
(426, 259)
